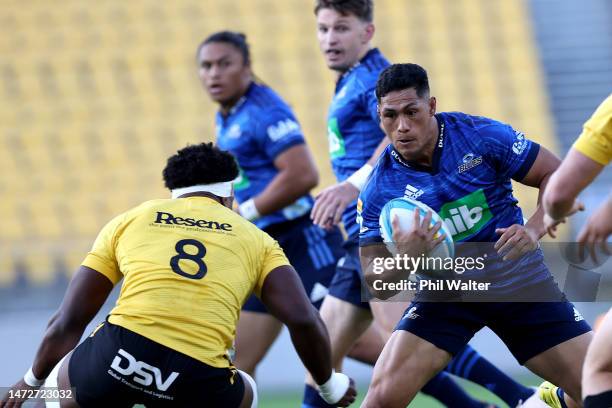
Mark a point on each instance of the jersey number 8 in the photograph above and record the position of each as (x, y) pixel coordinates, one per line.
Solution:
(197, 258)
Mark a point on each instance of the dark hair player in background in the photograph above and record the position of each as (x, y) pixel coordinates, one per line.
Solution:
(276, 174)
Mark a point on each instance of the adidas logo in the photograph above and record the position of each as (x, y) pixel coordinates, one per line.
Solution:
(577, 316)
(411, 314)
(412, 192)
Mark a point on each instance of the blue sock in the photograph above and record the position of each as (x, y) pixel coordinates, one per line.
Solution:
(443, 388)
(312, 399)
(472, 366)
(561, 399)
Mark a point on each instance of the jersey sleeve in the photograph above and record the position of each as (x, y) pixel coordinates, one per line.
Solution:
(273, 257)
(102, 256)
(368, 213)
(510, 152)
(595, 141)
(278, 131)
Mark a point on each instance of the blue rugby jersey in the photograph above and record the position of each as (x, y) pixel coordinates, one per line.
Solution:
(257, 129)
(353, 126)
(468, 185)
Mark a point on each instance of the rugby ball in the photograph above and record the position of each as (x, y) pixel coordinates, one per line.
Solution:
(404, 209)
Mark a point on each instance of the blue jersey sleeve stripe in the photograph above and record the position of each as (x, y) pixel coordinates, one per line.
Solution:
(365, 241)
(527, 163)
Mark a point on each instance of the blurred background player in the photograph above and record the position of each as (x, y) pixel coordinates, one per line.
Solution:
(344, 31)
(188, 264)
(591, 152)
(426, 149)
(277, 173)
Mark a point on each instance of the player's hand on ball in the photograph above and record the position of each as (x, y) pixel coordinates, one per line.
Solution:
(594, 235)
(515, 241)
(331, 203)
(420, 238)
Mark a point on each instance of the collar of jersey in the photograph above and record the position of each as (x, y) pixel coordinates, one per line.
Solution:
(242, 99)
(358, 63)
(436, 154)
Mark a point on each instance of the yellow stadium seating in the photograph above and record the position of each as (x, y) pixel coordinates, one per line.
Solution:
(96, 95)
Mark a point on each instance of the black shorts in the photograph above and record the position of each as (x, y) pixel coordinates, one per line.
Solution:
(116, 367)
(527, 328)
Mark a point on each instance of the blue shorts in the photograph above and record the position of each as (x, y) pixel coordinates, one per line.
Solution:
(313, 253)
(527, 328)
(347, 283)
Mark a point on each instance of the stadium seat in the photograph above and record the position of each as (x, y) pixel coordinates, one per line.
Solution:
(96, 97)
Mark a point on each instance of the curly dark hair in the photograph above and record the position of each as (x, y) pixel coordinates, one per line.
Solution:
(398, 77)
(363, 9)
(203, 163)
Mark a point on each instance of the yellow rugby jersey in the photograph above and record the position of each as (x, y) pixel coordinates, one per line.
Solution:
(595, 141)
(188, 265)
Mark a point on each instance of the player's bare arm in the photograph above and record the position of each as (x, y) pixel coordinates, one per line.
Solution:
(297, 176)
(284, 296)
(332, 201)
(575, 173)
(516, 240)
(86, 293)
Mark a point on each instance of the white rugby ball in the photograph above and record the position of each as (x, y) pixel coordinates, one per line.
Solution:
(404, 209)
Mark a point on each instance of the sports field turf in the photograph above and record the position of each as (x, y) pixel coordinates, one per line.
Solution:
(291, 400)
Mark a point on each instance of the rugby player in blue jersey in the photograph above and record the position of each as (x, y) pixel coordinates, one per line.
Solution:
(276, 174)
(345, 29)
(461, 166)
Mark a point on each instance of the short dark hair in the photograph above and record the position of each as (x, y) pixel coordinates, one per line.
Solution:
(203, 163)
(397, 77)
(362, 9)
(236, 39)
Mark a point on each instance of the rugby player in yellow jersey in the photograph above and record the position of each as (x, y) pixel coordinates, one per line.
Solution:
(187, 264)
(591, 152)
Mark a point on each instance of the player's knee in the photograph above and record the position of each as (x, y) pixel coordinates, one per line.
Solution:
(249, 384)
(378, 395)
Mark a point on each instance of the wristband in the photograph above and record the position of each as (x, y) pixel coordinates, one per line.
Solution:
(335, 388)
(248, 210)
(359, 178)
(30, 379)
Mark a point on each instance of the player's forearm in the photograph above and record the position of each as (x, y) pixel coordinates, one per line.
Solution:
(555, 199)
(59, 339)
(311, 342)
(573, 175)
(536, 221)
(284, 190)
